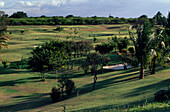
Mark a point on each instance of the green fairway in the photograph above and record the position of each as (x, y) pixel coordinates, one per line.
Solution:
(22, 90)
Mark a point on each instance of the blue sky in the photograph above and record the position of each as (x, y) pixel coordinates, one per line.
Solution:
(116, 8)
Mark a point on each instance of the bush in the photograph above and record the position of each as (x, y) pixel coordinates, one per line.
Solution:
(66, 85)
(5, 64)
(162, 95)
(56, 94)
(70, 86)
(59, 28)
(131, 49)
(104, 48)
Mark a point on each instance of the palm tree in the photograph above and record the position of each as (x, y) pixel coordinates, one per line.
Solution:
(159, 49)
(141, 42)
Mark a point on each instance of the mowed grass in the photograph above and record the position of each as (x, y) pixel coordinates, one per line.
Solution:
(22, 43)
(22, 90)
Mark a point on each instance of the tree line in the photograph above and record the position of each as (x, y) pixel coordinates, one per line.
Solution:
(21, 18)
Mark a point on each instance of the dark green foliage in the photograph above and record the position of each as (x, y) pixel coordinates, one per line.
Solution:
(160, 19)
(22, 31)
(81, 47)
(162, 95)
(85, 66)
(23, 64)
(104, 48)
(142, 45)
(5, 64)
(69, 16)
(168, 20)
(50, 56)
(114, 42)
(59, 29)
(70, 86)
(123, 43)
(94, 61)
(66, 85)
(57, 20)
(55, 94)
(131, 49)
(143, 16)
(94, 39)
(19, 15)
(3, 28)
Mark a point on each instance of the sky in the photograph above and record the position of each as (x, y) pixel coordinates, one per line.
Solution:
(87, 8)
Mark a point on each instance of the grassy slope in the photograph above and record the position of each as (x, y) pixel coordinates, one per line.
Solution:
(22, 90)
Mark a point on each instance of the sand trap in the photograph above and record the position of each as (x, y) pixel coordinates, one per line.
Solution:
(117, 67)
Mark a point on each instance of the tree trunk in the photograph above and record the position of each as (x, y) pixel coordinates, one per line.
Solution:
(141, 76)
(43, 77)
(95, 80)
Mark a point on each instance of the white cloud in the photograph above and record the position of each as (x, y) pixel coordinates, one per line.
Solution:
(43, 3)
(77, 1)
(2, 4)
(120, 8)
(25, 3)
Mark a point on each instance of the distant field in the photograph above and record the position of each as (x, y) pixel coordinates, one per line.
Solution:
(21, 90)
(21, 44)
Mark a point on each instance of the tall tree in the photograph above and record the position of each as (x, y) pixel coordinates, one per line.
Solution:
(3, 28)
(168, 20)
(19, 15)
(160, 19)
(141, 42)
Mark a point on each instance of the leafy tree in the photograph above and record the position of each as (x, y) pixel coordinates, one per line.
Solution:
(160, 19)
(131, 50)
(69, 16)
(19, 15)
(3, 27)
(168, 20)
(104, 48)
(50, 56)
(143, 16)
(159, 49)
(94, 61)
(123, 43)
(142, 45)
(114, 42)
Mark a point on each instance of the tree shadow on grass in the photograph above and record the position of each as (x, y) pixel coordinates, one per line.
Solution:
(12, 71)
(42, 99)
(116, 27)
(110, 81)
(30, 102)
(19, 81)
(144, 89)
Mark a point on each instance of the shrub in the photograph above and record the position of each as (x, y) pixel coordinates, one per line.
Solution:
(85, 66)
(70, 86)
(104, 48)
(131, 50)
(55, 94)
(162, 95)
(67, 85)
(5, 64)
(59, 28)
